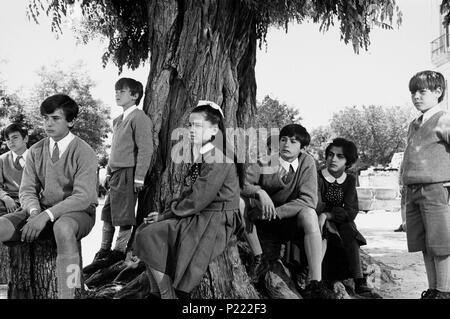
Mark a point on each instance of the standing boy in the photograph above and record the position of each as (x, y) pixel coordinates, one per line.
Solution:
(11, 167)
(281, 197)
(58, 192)
(131, 151)
(426, 175)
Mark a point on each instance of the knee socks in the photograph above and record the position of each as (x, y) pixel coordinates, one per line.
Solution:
(122, 238)
(430, 269)
(107, 235)
(313, 250)
(442, 264)
(68, 275)
(164, 284)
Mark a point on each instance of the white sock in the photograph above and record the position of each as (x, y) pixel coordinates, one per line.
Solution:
(68, 275)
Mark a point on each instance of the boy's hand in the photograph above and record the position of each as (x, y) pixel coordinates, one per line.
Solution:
(33, 227)
(10, 204)
(152, 217)
(138, 186)
(266, 206)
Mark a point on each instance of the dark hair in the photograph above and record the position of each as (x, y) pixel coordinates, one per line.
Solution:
(15, 127)
(298, 132)
(63, 102)
(428, 80)
(348, 147)
(134, 86)
(215, 117)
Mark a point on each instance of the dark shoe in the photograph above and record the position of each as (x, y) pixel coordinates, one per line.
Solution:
(97, 262)
(363, 290)
(399, 229)
(428, 294)
(110, 259)
(441, 295)
(257, 269)
(317, 290)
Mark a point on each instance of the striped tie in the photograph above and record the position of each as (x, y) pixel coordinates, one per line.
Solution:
(55, 154)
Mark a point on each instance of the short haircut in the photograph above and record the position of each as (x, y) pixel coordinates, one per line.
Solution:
(134, 86)
(15, 127)
(298, 132)
(63, 102)
(348, 147)
(430, 80)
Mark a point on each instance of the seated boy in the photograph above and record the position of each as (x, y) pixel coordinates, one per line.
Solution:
(11, 167)
(58, 192)
(280, 193)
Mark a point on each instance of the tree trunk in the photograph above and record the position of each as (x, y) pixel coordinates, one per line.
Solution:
(33, 271)
(200, 50)
(4, 264)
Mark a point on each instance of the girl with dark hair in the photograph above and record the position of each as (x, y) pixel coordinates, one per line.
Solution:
(337, 209)
(178, 245)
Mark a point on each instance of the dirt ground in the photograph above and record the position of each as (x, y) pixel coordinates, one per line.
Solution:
(384, 245)
(390, 247)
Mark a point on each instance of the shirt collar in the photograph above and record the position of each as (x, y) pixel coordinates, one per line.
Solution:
(62, 144)
(24, 155)
(128, 111)
(429, 113)
(331, 179)
(286, 164)
(206, 148)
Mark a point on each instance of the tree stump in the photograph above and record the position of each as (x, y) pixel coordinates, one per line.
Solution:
(4, 264)
(33, 271)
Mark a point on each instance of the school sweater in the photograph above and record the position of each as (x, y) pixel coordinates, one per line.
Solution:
(427, 157)
(10, 176)
(301, 191)
(68, 185)
(132, 144)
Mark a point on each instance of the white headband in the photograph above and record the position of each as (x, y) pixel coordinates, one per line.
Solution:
(212, 104)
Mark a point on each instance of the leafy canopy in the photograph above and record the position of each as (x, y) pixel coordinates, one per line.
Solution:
(128, 28)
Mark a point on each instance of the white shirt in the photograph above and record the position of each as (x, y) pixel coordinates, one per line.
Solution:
(331, 179)
(128, 111)
(429, 113)
(204, 149)
(63, 144)
(285, 165)
(22, 160)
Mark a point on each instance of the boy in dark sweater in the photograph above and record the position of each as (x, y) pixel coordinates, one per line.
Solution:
(131, 151)
(11, 167)
(58, 192)
(426, 175)
(280, 195)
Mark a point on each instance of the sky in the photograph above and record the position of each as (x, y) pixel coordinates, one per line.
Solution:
(308, 70)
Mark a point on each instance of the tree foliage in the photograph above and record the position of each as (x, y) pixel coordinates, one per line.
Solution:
(378, 132)
(127, 27)
(92, 123)
(270, 113)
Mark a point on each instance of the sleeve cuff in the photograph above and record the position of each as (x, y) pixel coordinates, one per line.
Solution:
(139, 181)
(49, 213)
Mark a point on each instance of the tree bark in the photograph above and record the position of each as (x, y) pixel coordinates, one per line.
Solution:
(199, 50)
(33, 271)
(4, 264)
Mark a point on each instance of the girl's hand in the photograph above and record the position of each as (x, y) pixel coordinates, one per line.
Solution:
(152, 217)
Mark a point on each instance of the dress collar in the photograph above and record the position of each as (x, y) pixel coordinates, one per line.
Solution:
(331, 179)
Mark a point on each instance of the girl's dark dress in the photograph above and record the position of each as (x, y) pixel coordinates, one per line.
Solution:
(338, 196)
(202, 222)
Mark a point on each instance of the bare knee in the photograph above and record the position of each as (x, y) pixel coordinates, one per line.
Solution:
(65, 230)
(307, 220)
(6, 229)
